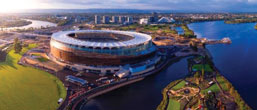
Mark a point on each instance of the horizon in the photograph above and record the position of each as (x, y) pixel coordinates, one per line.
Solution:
(114, 10)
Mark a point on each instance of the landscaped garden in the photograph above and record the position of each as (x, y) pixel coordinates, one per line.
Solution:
(173, 105)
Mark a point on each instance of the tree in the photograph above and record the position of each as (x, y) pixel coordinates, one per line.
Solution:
(193, 46)
(17, 45)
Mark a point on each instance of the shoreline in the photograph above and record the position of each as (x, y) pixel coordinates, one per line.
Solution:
(17, 25)
(133, 79)
(46, 24)
(236, 97)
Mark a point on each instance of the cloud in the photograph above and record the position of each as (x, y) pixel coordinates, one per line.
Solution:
(207, 5)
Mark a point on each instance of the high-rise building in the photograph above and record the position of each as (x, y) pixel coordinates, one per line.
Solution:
(97, 19)
(106, 19)
(122, 19)
(151, 19)
(115, 19)
(130, 19)
(154, 18)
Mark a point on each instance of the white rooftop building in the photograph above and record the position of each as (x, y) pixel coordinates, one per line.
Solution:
(144, 21)
(166, 20)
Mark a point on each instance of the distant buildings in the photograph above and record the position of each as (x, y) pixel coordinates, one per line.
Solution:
(164, 20)
(106, 20)
(122, 19)
(97, 19)
(154, 18)
(129, 19)
(79, 19)
(113, 19)
(125, 20)
(143, 21)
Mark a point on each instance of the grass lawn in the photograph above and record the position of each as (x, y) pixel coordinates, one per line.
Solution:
(222, 82)
(213, 88)
(199, 67)
(179, 85)
(27, 88)
(173, 105)
(42, 59)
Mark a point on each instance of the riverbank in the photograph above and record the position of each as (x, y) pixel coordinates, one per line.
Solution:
(89, 94)
(242, 20)
(35, 24)
(236, 61)
(203, 87)
(14, 23)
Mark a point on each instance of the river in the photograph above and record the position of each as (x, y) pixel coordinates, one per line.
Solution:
(34, 24)
(237, 62)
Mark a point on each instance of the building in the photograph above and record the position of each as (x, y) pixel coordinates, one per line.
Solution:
(80, 19)
(115, 19)
(106, 20)
(100, 51)
(129, 19)
(166, 20)
(143, 21)
(97, 19)
(76, 80)
(154, 18)
(122, 19)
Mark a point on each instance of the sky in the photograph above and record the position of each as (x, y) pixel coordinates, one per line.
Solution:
(185, 5)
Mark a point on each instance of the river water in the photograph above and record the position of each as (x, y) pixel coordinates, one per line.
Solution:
(237, 62)
(143, 95)
(34, 24)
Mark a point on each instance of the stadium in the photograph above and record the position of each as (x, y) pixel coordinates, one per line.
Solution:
(101, 51)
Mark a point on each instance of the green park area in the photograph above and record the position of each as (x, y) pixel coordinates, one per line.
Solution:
(188, 32)
(213, 88)
(27, 88)
(179, 85)
(241, 20)
(150, 28)
(173, 105)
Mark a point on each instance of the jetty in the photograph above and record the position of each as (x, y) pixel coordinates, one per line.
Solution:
(225, 40)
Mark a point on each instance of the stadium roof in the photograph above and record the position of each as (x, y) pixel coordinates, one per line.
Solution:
(139, 38)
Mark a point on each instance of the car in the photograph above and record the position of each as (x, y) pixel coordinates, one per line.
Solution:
(92, 85)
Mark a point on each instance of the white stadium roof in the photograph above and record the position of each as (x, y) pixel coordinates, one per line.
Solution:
(138, 38)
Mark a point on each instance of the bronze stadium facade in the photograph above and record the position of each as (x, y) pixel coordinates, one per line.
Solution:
(101, 48)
